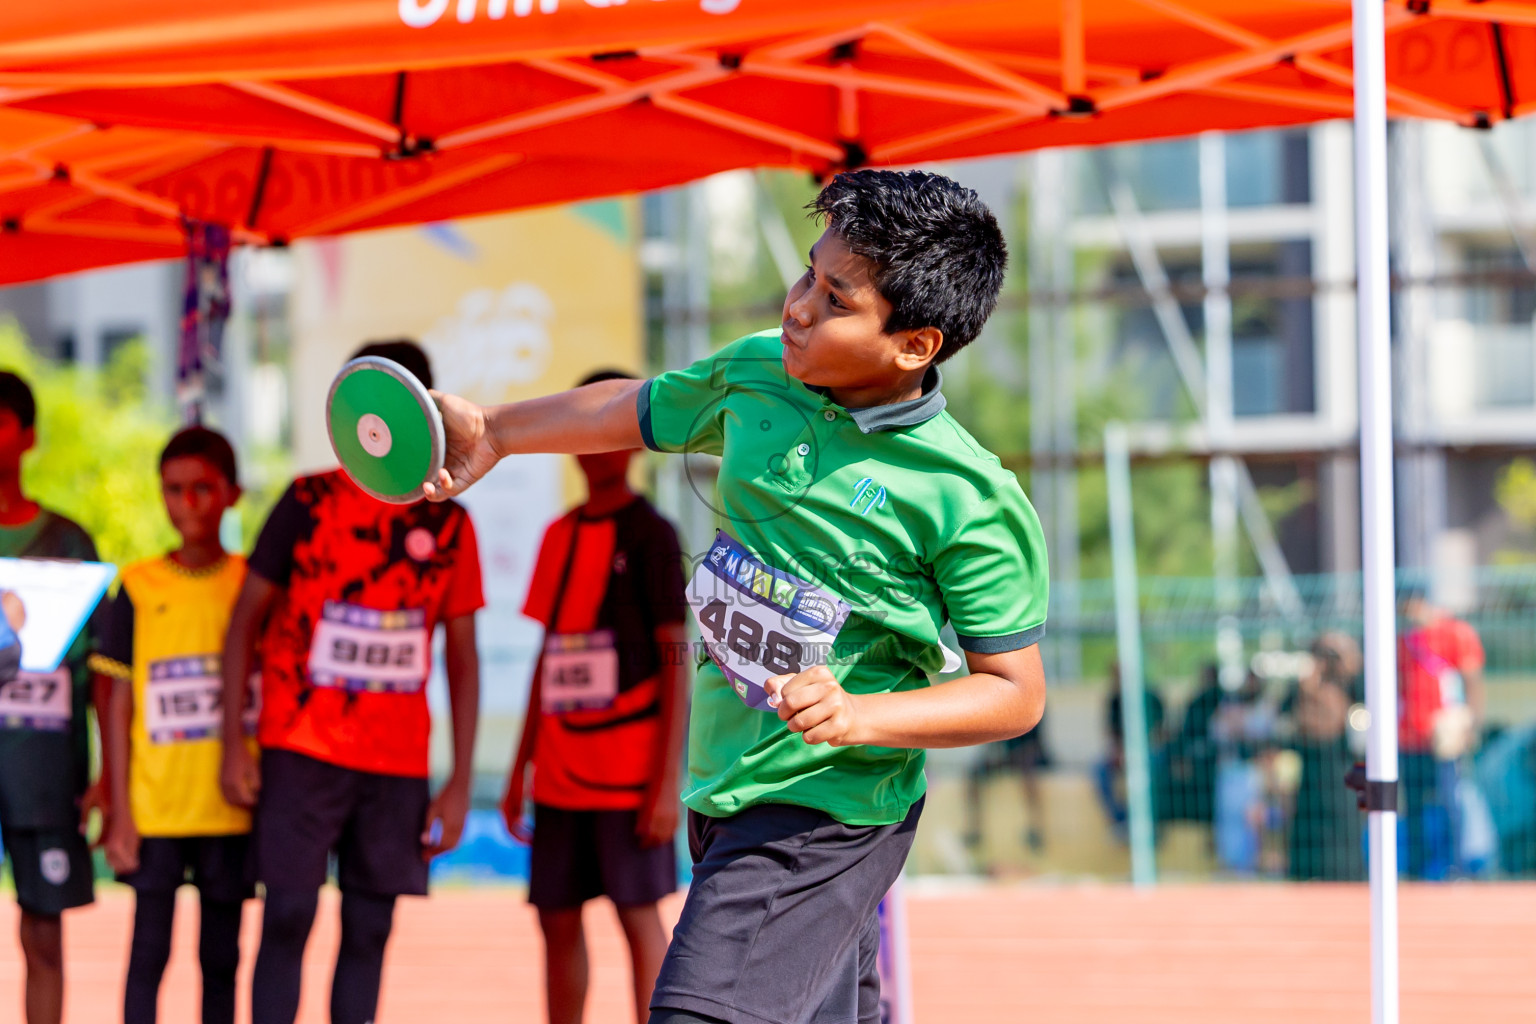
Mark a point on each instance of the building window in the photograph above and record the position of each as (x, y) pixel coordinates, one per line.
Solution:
(1268, 169)
(1273, 362)
(1503, 318)
(114, 338)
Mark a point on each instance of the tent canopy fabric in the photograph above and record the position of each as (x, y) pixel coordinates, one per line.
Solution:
(285, 119)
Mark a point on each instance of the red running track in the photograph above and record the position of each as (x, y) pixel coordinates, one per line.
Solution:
(1262, 954)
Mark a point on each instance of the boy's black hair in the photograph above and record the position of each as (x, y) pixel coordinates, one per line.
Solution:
(403, 351)
(209, 445)
(16, 395)
(598, 376)
(937, 251)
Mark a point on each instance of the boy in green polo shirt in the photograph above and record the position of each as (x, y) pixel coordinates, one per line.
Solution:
(856, 517)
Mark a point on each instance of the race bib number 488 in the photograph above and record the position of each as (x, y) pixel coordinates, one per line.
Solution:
(366, 650)
(758, 621)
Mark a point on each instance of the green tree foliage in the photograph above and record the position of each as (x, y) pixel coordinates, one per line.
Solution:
(98, 445)
(1516, 493)
(99, 437)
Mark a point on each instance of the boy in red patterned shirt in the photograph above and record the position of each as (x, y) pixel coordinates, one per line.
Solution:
(351, 590)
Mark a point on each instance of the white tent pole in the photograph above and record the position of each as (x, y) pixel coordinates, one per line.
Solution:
(1376, 539)
(1134, 727)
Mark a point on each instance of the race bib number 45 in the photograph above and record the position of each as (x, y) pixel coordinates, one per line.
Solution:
(38, 701)
(366, 650)
(758, 621)
(581, 672)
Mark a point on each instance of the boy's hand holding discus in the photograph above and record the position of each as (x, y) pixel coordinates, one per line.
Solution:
(470, 453)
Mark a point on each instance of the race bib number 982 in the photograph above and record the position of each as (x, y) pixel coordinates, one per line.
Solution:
(366, 650)
(758, 621)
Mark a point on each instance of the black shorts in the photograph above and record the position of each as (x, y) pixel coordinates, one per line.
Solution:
(581, 855)
(220, 866)
(372, 822)
(781, 925)
(52, 869)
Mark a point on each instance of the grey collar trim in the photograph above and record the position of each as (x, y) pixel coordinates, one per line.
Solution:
(900, 414)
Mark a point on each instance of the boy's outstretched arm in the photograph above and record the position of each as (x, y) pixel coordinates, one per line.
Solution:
(240, 776)
(659, 809)
(600, 417)
(517, 778)
(121, 837)
(461, 659)
(1004, 696)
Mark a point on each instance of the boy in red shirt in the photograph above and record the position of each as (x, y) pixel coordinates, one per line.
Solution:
(351, 590)
(604, 728)
(1440, 679)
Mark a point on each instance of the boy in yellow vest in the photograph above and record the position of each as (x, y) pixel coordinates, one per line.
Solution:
(163, 741)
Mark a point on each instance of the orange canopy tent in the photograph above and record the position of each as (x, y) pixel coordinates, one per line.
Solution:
(289, 118)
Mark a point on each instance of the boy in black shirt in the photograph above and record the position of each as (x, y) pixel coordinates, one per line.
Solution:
(43, 735)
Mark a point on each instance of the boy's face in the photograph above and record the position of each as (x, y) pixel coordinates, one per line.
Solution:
(15, 440)
(604, 469)
(834, 325)
(196, 495)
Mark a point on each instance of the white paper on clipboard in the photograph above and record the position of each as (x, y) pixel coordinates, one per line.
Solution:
(58, 596)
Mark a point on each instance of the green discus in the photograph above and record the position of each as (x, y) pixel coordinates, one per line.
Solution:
(385, 428)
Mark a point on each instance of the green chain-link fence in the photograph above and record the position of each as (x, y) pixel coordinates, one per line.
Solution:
(1247, 765)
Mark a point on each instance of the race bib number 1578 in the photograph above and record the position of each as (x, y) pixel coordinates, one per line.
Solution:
(184, 700)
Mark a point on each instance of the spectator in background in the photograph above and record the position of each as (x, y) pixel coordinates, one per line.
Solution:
(1187, 789)
(11, 623)
(1440, 693)
(1325, 842)
(1246, 729)
(1110, 774)
(607, 711)
(1024, 754)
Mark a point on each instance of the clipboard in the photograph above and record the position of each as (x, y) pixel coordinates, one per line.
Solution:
(58, 596)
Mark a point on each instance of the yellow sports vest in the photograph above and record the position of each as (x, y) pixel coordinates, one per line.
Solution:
(179, 621)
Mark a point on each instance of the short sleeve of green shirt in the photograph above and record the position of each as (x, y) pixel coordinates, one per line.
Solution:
(683, 410)
(993, 575)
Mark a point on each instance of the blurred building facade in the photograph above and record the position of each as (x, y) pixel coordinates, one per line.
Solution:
(85, 318)
(1243, 244)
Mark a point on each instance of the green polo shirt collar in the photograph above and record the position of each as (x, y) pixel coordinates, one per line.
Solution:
(898, 414)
